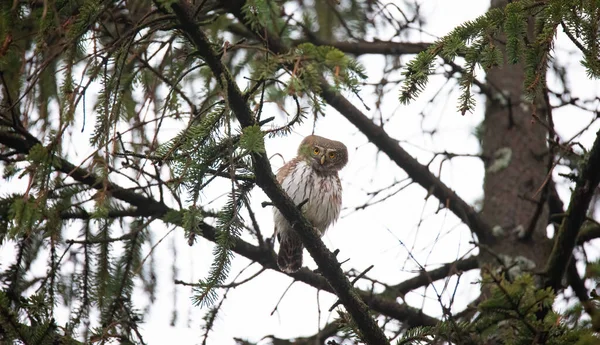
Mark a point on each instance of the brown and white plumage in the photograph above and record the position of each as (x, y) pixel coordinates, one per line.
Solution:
(311, 176)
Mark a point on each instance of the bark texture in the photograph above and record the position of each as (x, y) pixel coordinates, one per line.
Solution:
(515, 177)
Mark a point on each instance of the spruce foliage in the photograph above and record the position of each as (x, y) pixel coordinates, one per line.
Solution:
(477, 42)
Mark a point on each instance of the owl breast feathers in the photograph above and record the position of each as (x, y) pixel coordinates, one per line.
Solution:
(311, 177)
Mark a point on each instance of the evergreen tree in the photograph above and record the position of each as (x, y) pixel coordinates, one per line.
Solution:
(132, 70)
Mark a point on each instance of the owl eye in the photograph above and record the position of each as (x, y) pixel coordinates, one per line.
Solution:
(332, 155)
(316, 150)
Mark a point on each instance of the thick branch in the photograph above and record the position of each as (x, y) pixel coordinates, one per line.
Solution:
(427, 277)
(146, 205)
(577, 284)
(265, 179)
(351, 47)
(588, 232)
(83, 214)
(365, 47)
(418, 172)
(319, 338)
(565, 241)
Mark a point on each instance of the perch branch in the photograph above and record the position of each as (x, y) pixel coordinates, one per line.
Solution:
(328, 265)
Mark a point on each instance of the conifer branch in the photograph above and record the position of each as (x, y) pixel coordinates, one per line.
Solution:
(568, 233)
(394, 48)
(365, 47)
(356, 48)
(24, 333)
(265, 179)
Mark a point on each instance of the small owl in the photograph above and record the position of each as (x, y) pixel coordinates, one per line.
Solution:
(311, 176)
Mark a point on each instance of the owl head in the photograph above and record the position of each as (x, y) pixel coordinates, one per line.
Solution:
(324, 155)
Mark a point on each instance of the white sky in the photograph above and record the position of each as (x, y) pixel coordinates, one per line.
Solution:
(368, 237)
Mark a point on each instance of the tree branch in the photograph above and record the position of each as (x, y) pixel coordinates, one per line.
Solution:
(23, 332)
(365, 47)
(588, 232)
(83, 214)
(319, 338)
(427, 277)
(418, 172)
(567, 236)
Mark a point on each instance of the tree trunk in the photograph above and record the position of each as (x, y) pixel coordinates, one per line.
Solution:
(515, 176)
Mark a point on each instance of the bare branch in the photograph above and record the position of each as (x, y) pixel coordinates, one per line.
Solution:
(588, 232)
(417, 171)
(319, 338)
(567, 235)
(427, 277)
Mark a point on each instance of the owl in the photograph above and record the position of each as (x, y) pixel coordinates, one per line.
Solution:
(312, 177)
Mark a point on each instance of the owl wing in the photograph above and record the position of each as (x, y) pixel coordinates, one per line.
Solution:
(289, 257)
(336, 199)
(284, 171)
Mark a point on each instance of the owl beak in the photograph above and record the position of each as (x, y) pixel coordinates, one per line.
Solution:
(322, 160)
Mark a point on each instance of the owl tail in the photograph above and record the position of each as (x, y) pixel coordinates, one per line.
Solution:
(289, 258)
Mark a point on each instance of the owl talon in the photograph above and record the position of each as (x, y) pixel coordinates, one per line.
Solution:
(270, 242)
(302, 204)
